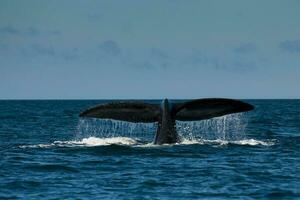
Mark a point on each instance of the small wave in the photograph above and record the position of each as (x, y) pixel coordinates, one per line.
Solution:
(90, 141)
(36, 146)
(126, 141)
(94, 141)
(250, 142)
(218, 142)
(253, 142)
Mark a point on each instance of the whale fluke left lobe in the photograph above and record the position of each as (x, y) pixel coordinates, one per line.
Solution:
(130, 111)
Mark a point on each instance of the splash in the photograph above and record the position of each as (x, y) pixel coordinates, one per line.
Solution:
(87, 142)
(106, 128)
(220, 142)
(126, 141)
(226, 130)
(228, 127)
(94, 141)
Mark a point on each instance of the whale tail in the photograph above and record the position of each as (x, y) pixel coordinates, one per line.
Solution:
(130, 111)
(202, 109)
(139, 111)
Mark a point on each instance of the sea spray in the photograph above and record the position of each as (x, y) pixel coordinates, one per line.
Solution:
(106, 128)
(225, 130)
(228, 127)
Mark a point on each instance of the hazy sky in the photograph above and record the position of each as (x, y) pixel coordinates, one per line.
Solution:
(149, 49)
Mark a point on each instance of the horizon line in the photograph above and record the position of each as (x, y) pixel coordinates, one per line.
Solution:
(112, 99)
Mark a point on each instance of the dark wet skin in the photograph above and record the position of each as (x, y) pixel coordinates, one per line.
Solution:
(166, 131)
(167, 113)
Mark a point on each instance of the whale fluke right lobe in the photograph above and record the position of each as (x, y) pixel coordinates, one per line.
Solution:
(202, 109)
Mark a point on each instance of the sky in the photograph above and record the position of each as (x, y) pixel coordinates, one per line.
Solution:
(149, 49)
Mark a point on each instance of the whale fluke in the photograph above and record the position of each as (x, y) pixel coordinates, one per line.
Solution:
(201, 109)
(130, 111)
(167, 113)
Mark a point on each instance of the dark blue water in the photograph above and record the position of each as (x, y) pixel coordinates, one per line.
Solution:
(47, 152)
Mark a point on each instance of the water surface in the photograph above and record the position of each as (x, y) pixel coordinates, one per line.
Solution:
(48, 152)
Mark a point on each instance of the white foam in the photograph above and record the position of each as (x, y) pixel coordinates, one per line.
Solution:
(90, 141)
(250, 142)
(36, 146)
(218, 142)
(95, 141)
(254, 142)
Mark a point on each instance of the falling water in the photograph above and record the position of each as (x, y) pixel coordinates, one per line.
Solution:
(106, 128)
(229, 127)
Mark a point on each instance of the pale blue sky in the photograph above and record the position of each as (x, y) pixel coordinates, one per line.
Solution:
(149, 49)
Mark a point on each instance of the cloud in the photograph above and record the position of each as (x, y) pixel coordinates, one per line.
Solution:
(109, 48)
(94, 16)
(158, 54)
(110, 53)
(8, 30)
(243, 65)
(43, 50)
(38, 50)
(3, 46)
(245, 48)
(50, 51)
(157, 58)
(30, 31)
(196, 58)
(70, 54)
(27, 32)
(290, 46)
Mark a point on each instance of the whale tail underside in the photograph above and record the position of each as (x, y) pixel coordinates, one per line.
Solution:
(130, 111)
(139, 111)
(202, 109)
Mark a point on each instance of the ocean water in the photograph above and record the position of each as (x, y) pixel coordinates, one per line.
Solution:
(48, 152)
